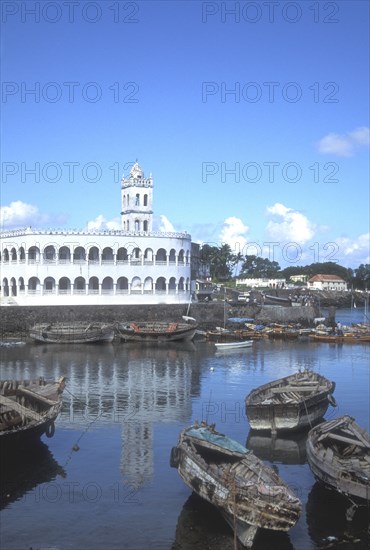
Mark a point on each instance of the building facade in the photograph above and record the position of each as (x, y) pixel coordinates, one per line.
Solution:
(326, 282)
(134, 265)
(261, 282)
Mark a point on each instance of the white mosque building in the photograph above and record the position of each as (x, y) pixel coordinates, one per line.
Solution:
(133, 265)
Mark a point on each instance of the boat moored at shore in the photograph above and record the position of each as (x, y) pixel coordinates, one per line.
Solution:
(152, 332)
(72, 333)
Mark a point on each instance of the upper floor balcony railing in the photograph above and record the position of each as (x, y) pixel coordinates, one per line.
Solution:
(84, 232)
(180, 262)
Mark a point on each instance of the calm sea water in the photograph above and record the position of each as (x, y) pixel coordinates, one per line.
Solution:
(104, 481)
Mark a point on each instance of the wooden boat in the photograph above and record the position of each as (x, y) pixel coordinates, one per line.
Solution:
(284, 332)
(346, 338)
(338, 453)
(28, 409)
(290, 403)
(248, 494)
(156, 331)
(72, 333)
(234, 345)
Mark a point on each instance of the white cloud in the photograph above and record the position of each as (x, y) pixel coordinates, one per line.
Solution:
(289, 225)
(361, 135)
(21, 214)
(353, 252)
(101, 224)
(234, 233)
(344, 145)
(165, 225)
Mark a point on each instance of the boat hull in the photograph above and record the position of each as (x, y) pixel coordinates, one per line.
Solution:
(294, 412)
(343, 474)
(72, 334)
(233, 345)
(249, 495)
(28, 410)
(286, 417)
(156, 332)
(345, 339)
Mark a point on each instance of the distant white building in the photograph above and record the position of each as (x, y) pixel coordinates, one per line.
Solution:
(133, 265)
(261, 282)
(298, 278)
(326, 282)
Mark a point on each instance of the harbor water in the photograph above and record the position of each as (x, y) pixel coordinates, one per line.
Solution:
(103, 481)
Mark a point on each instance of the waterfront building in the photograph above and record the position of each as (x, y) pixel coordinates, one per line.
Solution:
(133, 265)
(326, 282)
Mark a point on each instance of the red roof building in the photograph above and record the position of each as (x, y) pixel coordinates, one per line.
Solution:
(326, 282)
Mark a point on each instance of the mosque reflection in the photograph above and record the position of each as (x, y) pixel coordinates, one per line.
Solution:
(134, 387)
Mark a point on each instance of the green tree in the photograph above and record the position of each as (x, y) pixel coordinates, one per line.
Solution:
(254, 266)
(220, 259)
(329, 268)
(361, 279)
(287, 272)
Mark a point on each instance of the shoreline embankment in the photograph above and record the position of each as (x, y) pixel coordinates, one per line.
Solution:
(17, 320)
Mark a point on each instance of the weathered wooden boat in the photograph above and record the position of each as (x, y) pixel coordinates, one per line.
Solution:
(290, 403)
(345, 338)
(28, 409)
(338, 452)
(248, 494)
(72, 333)
(284, 332)
(156, 331)
(221, 346)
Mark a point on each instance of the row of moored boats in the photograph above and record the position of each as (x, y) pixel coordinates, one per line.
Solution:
(249, 494)
(80, 333)
(187, 329)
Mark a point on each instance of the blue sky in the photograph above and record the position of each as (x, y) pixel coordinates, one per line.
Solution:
(253, 118)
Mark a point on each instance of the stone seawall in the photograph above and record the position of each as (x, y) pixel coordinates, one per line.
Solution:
(276, 314)
(17, 319)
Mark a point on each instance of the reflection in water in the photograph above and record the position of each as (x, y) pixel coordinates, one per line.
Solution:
(287, 449)
(124, 405)
(23, 470)
(127, 385)
(201, 526)
(328, 524)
